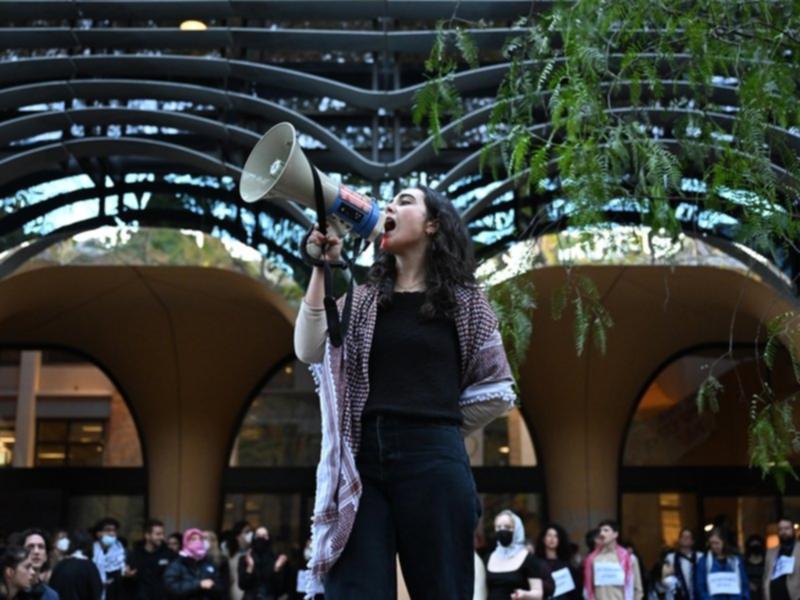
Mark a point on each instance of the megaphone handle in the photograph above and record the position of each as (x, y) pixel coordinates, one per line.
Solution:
(337, 328)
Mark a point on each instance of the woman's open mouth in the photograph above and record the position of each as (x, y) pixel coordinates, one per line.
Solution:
(389, 225)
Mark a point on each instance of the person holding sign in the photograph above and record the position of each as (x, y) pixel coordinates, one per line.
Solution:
(682, 564)
(512, 573)
(552, 548)
(781, 573)
(720, 573)
(611, 572)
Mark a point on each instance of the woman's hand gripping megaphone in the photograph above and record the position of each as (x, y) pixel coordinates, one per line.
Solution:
(320, 246)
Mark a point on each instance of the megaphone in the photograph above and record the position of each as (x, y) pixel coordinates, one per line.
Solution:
(277, 169)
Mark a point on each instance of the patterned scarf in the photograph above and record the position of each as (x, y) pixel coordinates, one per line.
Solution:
(113, 559)
(342, 381)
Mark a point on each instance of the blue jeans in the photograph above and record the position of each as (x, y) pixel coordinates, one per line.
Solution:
(419, 501)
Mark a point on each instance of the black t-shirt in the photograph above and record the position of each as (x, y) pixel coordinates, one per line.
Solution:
(413, 363)
(502, 585)
(553, 565)
(777, 587)
(150, 567)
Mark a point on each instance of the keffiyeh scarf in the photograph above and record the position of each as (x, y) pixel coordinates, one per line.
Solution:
(342, 381)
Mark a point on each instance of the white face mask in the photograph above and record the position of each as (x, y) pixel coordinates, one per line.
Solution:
(206, 545)
(62, 544)
(248, 537)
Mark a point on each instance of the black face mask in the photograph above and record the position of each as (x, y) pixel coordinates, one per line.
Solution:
(260, 545)
(504, 537)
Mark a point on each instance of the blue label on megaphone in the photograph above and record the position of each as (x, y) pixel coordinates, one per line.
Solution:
(359, 211)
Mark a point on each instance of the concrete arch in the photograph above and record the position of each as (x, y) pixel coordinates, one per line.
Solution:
(186, 343)
(580, 405)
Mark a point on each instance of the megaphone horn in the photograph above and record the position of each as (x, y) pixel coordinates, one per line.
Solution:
(277, 169)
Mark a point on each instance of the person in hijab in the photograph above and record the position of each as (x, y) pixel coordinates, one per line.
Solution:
(720, 573)
(261, 573)
(192, 576)
(76, 577)
(512, 571)
(553, 548)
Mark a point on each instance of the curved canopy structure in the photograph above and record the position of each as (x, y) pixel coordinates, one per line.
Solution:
(161, 120)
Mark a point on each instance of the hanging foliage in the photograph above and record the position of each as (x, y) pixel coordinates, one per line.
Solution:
(609, 101)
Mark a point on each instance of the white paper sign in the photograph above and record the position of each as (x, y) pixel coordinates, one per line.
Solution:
(608, 573)
(303, 577)
(784, 566)
(724, 584)
(564, 582)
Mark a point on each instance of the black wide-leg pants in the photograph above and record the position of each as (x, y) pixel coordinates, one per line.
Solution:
(419, 501)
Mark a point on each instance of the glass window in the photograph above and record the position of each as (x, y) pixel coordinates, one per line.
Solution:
(82, 419)
(741, 515)
(505, 442)
(70, 443)
(668, 430)
(6, 442)
(84, 511)
(287, 516)
(651, 522)
(282, 427)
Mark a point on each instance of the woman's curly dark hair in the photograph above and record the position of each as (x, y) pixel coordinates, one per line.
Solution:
(563, 551)
(449, 258)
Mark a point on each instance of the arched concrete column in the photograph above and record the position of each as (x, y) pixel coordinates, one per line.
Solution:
(186, 345)
(580, 406)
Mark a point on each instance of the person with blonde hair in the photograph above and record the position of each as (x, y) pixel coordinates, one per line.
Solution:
(512, 571)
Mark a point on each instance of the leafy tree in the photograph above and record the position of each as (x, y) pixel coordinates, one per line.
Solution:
(657, 104)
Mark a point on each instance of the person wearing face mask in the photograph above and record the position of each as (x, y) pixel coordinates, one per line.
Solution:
(17, 574)
(553, 549)
(421, 365)
(261, 574)
(76, 577)
(238, 545)
(781, 580)
(511, 571)
(147, 562)
(34, 541)
(109, 556)
(59, 544)
(192, 576)
(754, 564)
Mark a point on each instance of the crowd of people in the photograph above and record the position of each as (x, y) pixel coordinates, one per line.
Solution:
(552, 567)
(100, 565)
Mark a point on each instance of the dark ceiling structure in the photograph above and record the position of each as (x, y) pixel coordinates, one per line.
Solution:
(156, 121)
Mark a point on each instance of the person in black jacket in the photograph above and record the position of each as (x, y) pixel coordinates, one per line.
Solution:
(192, 575)
(148, 561)
(76, 576)
(261, 573)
